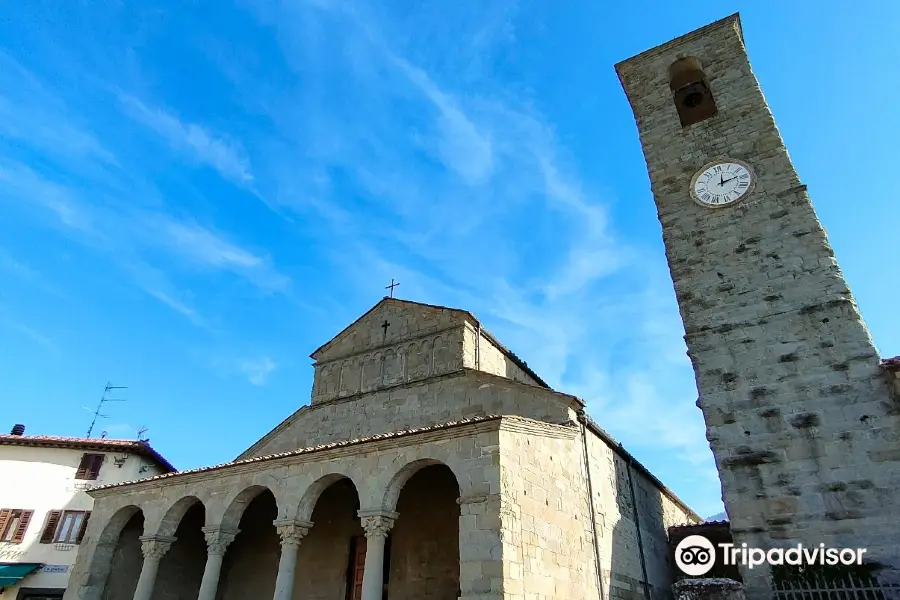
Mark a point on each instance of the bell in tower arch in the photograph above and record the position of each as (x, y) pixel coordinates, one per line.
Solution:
(690, 88)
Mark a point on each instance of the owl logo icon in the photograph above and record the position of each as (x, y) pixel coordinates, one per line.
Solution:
(695, 555)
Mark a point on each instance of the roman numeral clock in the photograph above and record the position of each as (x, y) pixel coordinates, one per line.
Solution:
(722, 183)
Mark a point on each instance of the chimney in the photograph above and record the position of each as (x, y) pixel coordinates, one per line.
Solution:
(18, 429)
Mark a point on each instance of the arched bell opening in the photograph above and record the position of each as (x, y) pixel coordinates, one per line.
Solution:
(691, 91)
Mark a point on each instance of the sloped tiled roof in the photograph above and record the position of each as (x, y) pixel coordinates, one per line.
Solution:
(141, 448)
(319, 448)
(891, 364)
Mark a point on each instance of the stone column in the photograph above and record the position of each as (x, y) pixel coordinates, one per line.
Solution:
(291, 533)
(154, 548)
(217, 541)
(377, 524)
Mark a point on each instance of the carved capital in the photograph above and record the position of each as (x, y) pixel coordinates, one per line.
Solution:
(218, 539)
(154, 547)
(292, 532)
(377, 523)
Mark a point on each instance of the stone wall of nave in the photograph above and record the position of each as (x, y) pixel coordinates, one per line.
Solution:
(480, 353)
(545, 515)
(620, 544)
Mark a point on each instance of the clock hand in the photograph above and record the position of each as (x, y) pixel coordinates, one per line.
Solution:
(721, 180)
(727, 180)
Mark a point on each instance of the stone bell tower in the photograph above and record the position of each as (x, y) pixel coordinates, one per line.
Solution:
(799, 415)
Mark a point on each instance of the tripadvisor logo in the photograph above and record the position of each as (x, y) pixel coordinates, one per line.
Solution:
(695, 555)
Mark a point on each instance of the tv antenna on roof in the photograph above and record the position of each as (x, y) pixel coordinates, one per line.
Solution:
(103, 400)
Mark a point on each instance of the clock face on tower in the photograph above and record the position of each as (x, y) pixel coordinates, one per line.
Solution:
(722, 183)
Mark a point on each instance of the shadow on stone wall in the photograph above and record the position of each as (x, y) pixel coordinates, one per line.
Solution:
(639, 566)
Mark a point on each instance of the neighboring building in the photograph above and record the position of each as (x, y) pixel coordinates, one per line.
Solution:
(44, 507)
(430, 463)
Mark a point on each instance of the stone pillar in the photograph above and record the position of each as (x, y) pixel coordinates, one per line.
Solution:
(377, 524)
(482, 548)
(154, 548)
(291, 533)
(217, 541)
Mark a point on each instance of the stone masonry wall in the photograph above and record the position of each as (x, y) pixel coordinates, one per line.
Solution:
(620, 556)
(482, 354)
(379, 470)
(397, 364)
(799, 416)
(461, 395)
(547, 549)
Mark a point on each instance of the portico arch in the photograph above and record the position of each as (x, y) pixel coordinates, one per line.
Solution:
(236, 506)
(250, 564)
(423, 553)
(312, 494)
(181, 568)
(174, 514)
(398, 480)
(116, 563)
(335, 540)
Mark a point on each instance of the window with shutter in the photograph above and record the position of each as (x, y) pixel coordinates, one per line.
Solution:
(5, 516)
(14, 524)
(24, 520)
(70, 524)
(49, 533)
(83, 527)
(89, 467)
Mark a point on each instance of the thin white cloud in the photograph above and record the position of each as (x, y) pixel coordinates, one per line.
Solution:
(452, 186)
(136, 239)
(34, 116)
(226, 156)
(22, 184)
(24, 272)
(32, 334)
(202, 246)
(257, 370)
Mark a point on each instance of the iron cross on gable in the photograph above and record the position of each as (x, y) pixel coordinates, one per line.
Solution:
(391, 287)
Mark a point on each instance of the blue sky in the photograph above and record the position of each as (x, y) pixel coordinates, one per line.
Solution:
(196, 195)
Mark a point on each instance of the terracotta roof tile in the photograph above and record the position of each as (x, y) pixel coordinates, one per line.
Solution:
(141, 448)
(319, 448)
(891, 364)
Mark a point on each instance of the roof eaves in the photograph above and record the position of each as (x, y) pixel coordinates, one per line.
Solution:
(312, 449)
(621, 451)
(138, 447)
(891, 364)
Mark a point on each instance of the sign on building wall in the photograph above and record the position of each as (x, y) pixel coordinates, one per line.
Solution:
(55, 569)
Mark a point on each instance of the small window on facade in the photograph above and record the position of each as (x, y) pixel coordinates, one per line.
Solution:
(89, 468)
(72, 524)
(14, 524)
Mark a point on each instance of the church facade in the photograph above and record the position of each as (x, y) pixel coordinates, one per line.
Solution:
(431, 462)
